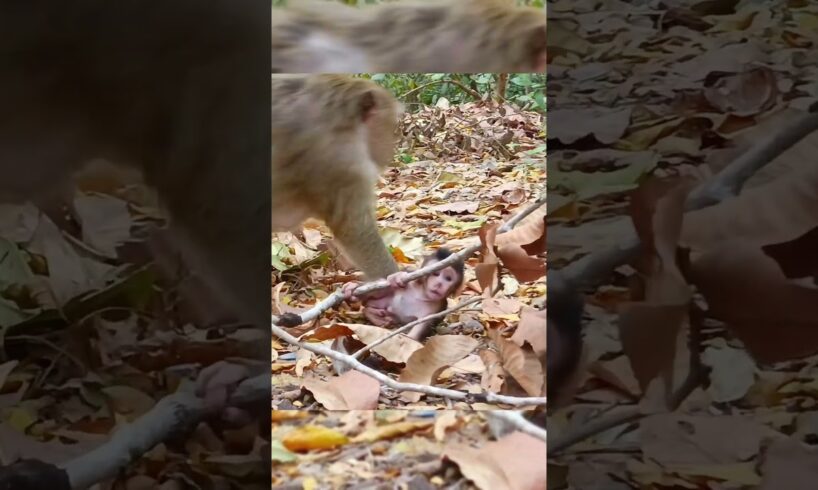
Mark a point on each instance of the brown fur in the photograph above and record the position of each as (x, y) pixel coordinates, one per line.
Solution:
(469, 36)
(172, 89)
(332, 137)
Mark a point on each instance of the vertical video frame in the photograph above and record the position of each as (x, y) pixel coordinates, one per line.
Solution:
(408, 245)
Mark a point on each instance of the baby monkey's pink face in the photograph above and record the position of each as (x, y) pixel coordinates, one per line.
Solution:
(440, 284)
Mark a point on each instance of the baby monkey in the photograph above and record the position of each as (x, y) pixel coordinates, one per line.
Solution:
(406, 301)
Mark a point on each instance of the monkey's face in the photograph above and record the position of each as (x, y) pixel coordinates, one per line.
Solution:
(440, 284)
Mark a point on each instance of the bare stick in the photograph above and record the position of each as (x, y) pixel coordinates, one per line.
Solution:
(626, 415)
(172, 414)
(486, 397)
(517, 421)
(412, 324)
(337, 297)
(613, 419)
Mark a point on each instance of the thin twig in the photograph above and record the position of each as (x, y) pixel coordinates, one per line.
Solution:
(172, 414)
(516, 420)
(486, 397)
(626, 415)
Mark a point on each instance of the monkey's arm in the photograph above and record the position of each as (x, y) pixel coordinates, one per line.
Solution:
(356, 229)
(379, 317)
(564, 308)
(421, 331)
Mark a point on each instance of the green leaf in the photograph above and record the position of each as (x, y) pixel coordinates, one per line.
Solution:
(14, 267)
(466, 225)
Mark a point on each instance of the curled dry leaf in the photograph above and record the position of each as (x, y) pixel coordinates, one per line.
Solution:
(744, 94)
(531, 329)
(488, 268)
(524, 267)
(528, 234)
(522, 363)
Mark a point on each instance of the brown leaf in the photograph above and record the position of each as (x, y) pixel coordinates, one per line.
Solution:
(744, 94)
(457, 207)
(531, 329)
(776, 319)
(777, 212)
(352, 390)
(515, 462)
(529, 233)
(676, 439)
(522, 363)
(606, 126)
(440, 352)
(524, 267)
(789, 464)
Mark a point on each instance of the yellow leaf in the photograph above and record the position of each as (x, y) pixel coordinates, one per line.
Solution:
(20, 418)
(312, 437)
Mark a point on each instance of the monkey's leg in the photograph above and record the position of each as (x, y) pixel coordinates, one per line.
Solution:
(564, 336)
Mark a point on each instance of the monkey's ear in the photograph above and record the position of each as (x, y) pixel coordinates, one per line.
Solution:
(367, 104)
(537, 43)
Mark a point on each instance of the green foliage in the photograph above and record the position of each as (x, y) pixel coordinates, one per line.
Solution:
(526, 90)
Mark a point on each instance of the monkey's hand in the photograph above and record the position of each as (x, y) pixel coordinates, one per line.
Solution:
(398, 280)
(348, 289)
(216, 383)
(379, 317)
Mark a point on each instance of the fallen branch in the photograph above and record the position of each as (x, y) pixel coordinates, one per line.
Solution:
(172, 414)
(485, 397)
(613, 419)
(337, 297)
(627, 415)
(516, 420)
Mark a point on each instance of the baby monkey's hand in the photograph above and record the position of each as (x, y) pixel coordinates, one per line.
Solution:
(348, 288)
(398, 280)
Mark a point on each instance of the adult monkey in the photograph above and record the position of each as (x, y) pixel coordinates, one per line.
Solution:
(332, 137)
(176, 89)
(408, 36)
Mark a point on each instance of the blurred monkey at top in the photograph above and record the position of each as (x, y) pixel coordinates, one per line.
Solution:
(408, 36)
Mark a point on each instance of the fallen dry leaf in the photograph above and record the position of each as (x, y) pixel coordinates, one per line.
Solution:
(352, 390)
